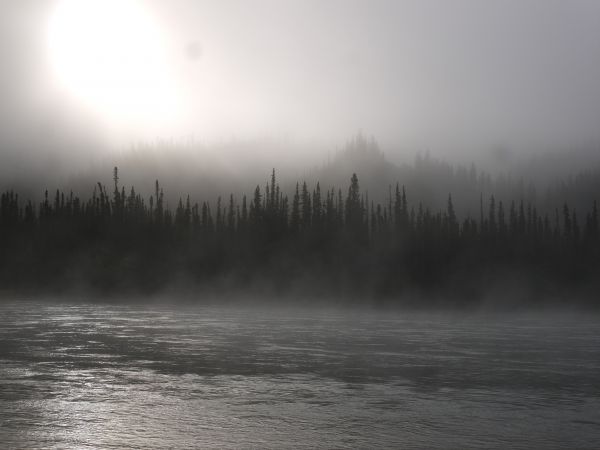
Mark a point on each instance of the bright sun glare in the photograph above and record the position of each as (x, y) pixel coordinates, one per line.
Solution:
(111, 55)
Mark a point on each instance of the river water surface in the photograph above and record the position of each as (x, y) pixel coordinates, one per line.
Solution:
(105, 376)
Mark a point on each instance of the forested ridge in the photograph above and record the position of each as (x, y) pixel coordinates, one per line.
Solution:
(320, 242)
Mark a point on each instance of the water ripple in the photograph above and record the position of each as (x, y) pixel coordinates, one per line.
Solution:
(106, 376)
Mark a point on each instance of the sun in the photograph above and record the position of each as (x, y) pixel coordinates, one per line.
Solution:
(110, 54)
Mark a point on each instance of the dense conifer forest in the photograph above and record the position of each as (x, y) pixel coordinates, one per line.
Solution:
(319, 243)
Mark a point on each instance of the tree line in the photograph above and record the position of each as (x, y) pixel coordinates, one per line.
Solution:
(318, 243)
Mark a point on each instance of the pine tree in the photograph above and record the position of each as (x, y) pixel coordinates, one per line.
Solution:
(231, 215)
(501, 220)
(306, 208)
(317, 208)
(295, 217)
(452, 222)
(492, 216)
(353, 207)
(567, 224)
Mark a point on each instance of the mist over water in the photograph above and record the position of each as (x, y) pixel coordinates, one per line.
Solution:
(90, 376)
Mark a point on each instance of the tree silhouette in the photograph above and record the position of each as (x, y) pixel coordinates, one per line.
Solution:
(320, 243)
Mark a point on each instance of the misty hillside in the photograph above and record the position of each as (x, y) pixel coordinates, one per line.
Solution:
(206, 172)
(430, 180)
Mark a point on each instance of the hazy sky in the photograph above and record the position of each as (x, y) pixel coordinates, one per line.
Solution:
(444, 75)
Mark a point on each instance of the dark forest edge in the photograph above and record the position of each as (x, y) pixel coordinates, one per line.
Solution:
(318, 244)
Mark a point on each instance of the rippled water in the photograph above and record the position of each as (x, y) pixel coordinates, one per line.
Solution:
(159, 377)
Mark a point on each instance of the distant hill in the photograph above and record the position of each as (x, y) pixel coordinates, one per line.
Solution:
(206, 172)
(430, 180)
(363, 157)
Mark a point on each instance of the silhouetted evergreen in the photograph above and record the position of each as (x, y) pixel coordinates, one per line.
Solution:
(324, 245)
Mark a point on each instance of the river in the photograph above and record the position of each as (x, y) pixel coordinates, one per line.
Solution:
(158, 376)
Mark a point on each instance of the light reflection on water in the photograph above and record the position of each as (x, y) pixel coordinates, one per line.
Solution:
(102, 376)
